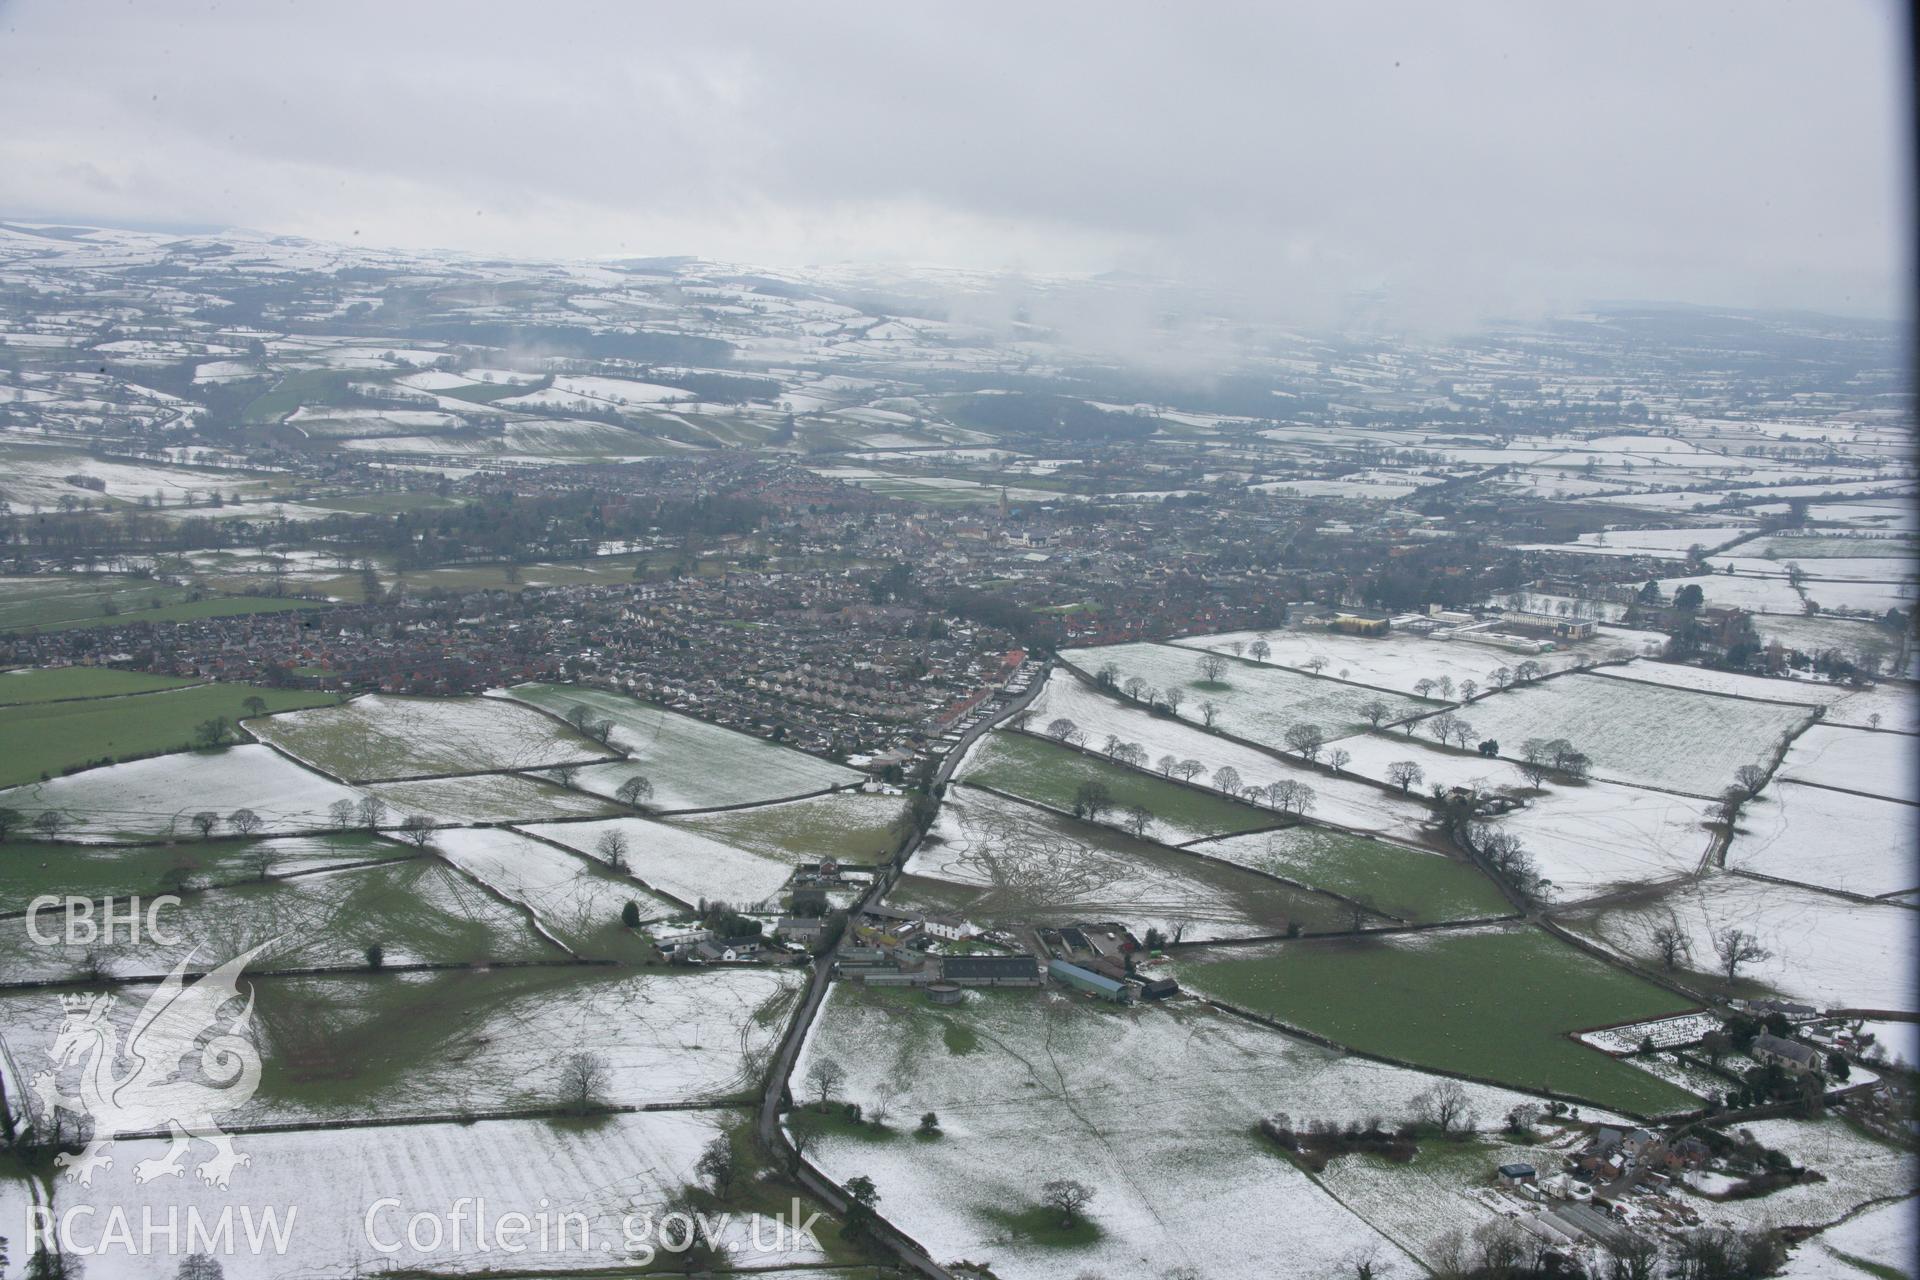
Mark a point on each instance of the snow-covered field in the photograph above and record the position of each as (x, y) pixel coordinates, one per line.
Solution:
(1814, 634)
(420, 911)
(853, 826)
(1342, 801)
(1825, 950)
(145, 799)
(1761, 595)
(682, 864)
(1879, 764)
(1393, 661)
(566, 894)
(666, 1036)
(1586, 838)
(384, 738)
(1896, 702)
(332, 1181)
(1637, 733)
(691, 764)
(489, 797)
(1857, 1170)
(1882, 1237)
(1828, 838)
(1015, 863)
(1674, 675)
(1256, 701)
(1154, 1107)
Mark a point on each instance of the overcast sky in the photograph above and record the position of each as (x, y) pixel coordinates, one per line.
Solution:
(1465, 158)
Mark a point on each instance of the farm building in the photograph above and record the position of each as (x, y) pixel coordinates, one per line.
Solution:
(945, 992)
(1080, 979)
(1514, 1174)
(991, 971)
(1160, 989)
(1791, 1054)
(800, 928)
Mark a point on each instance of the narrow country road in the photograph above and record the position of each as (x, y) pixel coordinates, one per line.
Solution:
(909, 1253)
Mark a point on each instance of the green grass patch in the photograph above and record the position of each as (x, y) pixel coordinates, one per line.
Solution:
(847, 825)
(301, 386)
(1496, 1004)
(834, 1122)
(39, 739)
(1414, 886)
(1048, 773)
(53, 600)
(488, 392)
(382, 504)
(336, 1044)
(1043, 1227)
(960, 1038)
(193, 610)
(53, 684)
(29, 868)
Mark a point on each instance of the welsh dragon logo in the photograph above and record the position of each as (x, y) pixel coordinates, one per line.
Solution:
(159, 1091)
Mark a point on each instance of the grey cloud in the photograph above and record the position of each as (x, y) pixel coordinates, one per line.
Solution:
(1464, 158)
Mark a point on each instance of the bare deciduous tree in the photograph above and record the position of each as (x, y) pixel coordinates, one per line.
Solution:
(1736, 947)
(1670, 944)
(1067, 1198)
(1444, 1106)
(612, 848)
(1305, 739)
(826, 1076)
(635, 793)
(583, 1082)
(1405, 774)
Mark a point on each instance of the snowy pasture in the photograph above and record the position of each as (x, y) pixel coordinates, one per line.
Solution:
(567, 894)
(384, 738)
(691, 764)
(1256, 701)
(1000, 860)
(1856, 1171)
(683, 865)
(419, 910)
(1828, 839)
(1880, 1241)
(1674, 675)
(489, 797)
(1895, 702)
(1397, 660)
(156, 797)
(1646, 735)
(1827, 951)
(1190, 1185)
(1876, 764)
(1346, 802)
(626, 1165)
